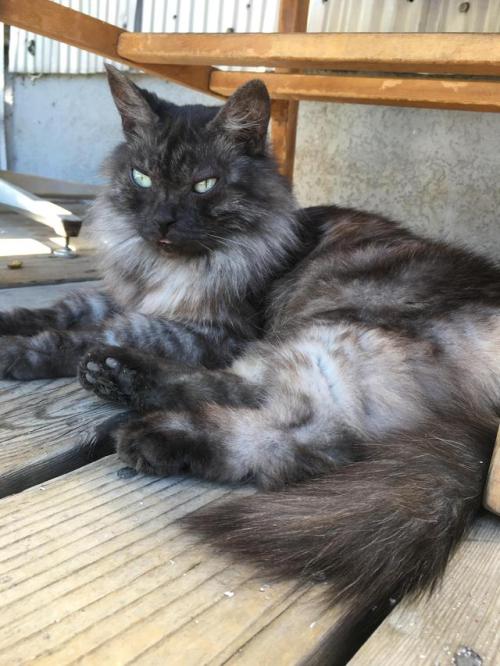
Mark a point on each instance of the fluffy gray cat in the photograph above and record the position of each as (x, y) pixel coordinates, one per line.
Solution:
(326, 355)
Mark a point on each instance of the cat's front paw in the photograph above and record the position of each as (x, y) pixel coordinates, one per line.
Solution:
(105, 371)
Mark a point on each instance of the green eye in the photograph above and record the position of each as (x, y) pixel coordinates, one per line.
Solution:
(204, 185)
(140, 178)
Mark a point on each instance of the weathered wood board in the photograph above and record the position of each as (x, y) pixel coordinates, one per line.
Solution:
(462, 615)
(41, 418)
(95, 569)
(40, 296)
(41, 268)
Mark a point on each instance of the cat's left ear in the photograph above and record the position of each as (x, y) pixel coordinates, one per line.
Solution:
(132, 105)
(245, 116)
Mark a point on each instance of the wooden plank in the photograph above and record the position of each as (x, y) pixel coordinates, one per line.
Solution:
(38, 296)
(446, 53)
(462, 615)
(16, 231)
(292, 18)
(391, 91)
(86, 32)
(491, 498)
(42, 418)
(96, 569)
(44, 269)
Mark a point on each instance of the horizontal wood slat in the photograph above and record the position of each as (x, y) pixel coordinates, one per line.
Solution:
(460, 619)
(471, 54)
(391, 91)
(86, 32)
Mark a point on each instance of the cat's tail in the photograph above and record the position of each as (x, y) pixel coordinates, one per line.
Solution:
(79, 452)
(383, 526)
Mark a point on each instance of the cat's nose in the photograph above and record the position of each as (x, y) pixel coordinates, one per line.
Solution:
(165, 224)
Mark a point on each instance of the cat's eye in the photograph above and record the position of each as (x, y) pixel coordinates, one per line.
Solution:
(204, 185)
(140, 179)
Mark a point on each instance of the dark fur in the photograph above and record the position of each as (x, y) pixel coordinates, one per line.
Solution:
(328, 355)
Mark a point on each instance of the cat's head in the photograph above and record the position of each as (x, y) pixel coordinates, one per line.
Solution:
(193, 179)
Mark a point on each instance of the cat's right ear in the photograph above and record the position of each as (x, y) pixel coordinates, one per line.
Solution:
(245, 116)
(130, 102)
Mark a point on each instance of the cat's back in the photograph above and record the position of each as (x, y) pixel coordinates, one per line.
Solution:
(367, 269)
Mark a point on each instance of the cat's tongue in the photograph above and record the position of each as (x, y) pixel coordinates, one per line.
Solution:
(165, 241)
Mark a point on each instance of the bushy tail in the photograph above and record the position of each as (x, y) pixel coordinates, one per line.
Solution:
(385, 525)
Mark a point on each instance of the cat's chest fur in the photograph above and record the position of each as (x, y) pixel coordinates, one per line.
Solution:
(197, 289)
(172, 289)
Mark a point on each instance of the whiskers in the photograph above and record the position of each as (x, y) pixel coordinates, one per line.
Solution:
(226, 242)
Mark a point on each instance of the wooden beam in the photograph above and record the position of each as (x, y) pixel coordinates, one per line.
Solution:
(391, 91)
(292, 18)
(445, 53)
(85, 32)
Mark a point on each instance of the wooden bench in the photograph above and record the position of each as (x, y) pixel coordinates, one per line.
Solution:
(438, 70)
(94, 567)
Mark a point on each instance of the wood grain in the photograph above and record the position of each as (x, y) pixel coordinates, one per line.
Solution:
(462, 613)
(42, 418)
(491, 498)
(445, 53)
(96, 569)
(86, 32)
(385, 90)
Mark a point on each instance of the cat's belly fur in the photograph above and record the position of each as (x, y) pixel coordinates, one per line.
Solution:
(349, 378)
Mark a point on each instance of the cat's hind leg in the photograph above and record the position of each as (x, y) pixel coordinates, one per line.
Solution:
(265, 445)
(258, 421)
(280, 413)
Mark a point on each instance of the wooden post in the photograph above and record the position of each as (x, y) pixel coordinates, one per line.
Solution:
(292, 18)
(491, 499)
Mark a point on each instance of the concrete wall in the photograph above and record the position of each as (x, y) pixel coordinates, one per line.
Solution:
(438, 171)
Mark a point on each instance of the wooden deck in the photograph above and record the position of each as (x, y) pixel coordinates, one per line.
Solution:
(95, 569)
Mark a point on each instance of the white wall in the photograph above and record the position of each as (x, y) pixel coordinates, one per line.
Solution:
(437, 170)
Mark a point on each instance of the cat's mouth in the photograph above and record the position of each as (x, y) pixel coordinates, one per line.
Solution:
(165, 244)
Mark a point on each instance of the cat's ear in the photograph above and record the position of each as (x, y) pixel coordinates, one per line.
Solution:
(245, 116)
(130, 101)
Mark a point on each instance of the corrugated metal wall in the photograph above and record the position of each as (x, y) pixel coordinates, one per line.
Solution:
(32, 54)
(29, 53)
